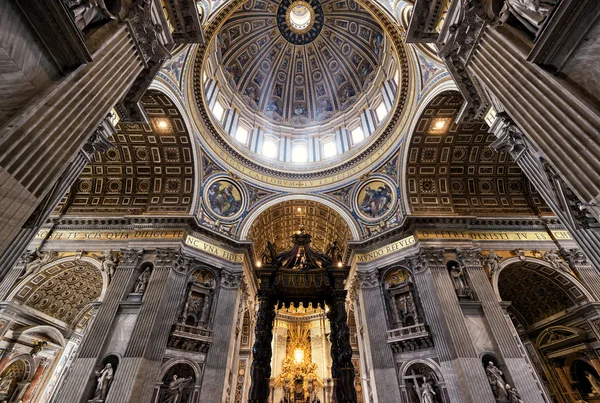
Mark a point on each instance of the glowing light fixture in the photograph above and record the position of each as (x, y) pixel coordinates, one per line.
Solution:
(298, 356)
(162, 124)
(440, 124)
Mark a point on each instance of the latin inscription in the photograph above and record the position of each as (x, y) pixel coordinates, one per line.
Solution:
(212, 249)
(386, 250)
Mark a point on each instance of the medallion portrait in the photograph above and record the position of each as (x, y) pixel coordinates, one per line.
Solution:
(224, 198)
(375, 199)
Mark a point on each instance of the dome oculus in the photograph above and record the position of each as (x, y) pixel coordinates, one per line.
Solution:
(300, 17)
(300, 21)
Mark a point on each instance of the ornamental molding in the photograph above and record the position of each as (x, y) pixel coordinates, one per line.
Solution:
(369, 279)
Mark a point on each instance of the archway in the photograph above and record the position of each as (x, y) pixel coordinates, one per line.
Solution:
(451, 169)
(545, 317)
(178, 384)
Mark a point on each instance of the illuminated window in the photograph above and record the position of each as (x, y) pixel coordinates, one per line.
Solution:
(218, 111)
(329, 149)
(381, 112)
(357, 135)
(241, 134)
(269, 149)
(299, 153)
(397, 76)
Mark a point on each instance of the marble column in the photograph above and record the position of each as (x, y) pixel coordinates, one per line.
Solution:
(98, 142)
(380, 361)
(461, 366)
(582, 267)
(142, 359)
(559, 121)
(551, 186)
(220, 353)
(521, 373)
(38, 144)
(78, 382)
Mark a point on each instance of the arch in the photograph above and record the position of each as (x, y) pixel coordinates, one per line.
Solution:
(62, 288)
(433, 371)
(188, 392)
(559, 333)
(555, 290)
(451, 169)
(52, 333)
(507, 262)
(164, 369)
(150, 171)
(260, 208)
(158, 85)
(28, 366)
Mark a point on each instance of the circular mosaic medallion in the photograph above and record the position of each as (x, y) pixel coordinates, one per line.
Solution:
(375, 199)
(224, 198)
(300, 21)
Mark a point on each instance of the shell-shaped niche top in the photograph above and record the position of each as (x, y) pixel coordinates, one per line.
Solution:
(301, 62)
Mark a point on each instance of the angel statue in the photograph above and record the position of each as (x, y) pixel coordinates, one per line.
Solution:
(109, 262)
(40, 259)
(427, 393)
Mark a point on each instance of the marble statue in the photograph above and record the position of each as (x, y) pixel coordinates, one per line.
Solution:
(492, 261)
(5, 386)
(286, 392)
(555, 261)
(496, 380)
(39, 261)
(427, 393)
(532, 13)
(109, 263)
(460, 282)
(87, 12)
(175, 389)
(594, 382)
(513, 395)
(312, 393)
(142, 281)
(104, 379)
(334, 252)
(269, 253)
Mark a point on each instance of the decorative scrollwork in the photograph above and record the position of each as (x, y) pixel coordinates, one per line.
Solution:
(368, 279)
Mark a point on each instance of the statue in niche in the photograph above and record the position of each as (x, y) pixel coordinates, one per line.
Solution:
(109, 263)
(496, 380)
(492, 261)
(104, 379)
(427, 393)
(555, 261)
(176, 387)
(312, 393)
(87, 12)
(531, 13)
(5, 384)
(594, 382)
(513, 395)
(142, 281)
(334, 252)
(40, 259)
(460, 282)
(37, 347)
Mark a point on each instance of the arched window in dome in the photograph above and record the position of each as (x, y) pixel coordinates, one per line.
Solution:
(218, 111)
(299, 151)
(381, 111)
(357, 135)
(241, 134)
(329, 148)
(270, 148)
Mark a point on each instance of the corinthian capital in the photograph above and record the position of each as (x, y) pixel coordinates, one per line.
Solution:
(230, 279)
(368, 279)
(130, 257)
(469, 257)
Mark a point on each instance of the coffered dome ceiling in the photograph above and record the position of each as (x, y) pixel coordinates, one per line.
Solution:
(298, 62)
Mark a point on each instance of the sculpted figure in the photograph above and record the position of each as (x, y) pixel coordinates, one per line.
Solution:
(87, 12)
(312, 393)
(104, 379)
(427, 393)
(334, 252)
(142, 281)
(269, 253)
(552, 257)
(492, 261)
(594, 382)
(176, 387)
(513, 395)
(109, 263)
(286, 392)
(532, 13)
(40, 259)
(37, 347)
(496, 379)
(460, 283)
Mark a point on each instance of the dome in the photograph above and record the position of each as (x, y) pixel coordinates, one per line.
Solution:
(300, 63)
(296, 88)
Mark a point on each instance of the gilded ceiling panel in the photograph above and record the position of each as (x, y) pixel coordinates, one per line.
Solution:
(150, 171)
(451, 170)
(279, 222)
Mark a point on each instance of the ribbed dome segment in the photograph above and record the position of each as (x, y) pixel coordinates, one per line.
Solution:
(300, 78)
